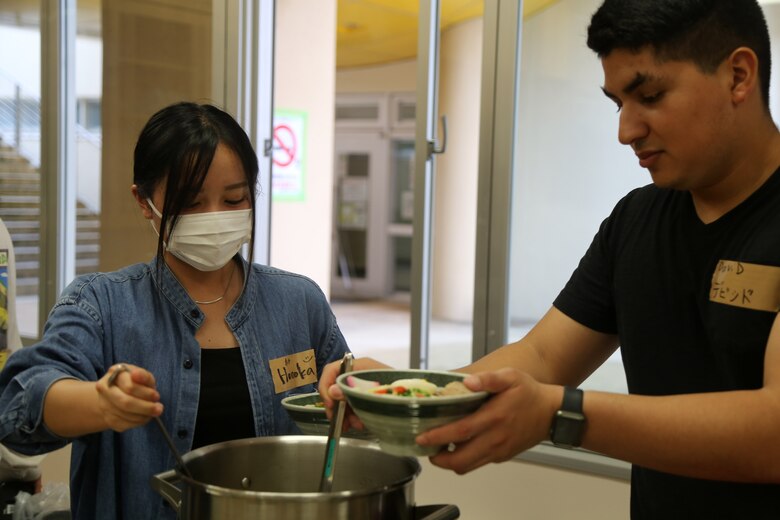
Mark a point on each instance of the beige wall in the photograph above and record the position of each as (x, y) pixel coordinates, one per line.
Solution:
(392, 77)
(455, 218)
(305, 65)
(155, 52)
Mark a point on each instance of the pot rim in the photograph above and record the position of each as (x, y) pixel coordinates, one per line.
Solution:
(221, 491)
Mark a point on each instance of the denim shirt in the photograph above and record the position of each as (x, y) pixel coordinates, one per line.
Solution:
(138, 316)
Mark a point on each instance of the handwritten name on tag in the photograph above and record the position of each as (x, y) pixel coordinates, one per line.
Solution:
(294, 370)
(751, 286)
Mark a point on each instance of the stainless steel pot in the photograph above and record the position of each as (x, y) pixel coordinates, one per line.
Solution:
(278, 478)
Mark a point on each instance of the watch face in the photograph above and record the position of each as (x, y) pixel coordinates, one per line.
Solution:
(567, 429)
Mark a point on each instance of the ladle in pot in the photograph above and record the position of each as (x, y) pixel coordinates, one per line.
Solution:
(334, 433)
(172, 446)
(121, 367)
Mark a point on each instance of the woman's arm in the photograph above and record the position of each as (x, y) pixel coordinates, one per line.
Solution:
(73, 408)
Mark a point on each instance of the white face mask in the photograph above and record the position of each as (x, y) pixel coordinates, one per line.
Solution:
(207, 241)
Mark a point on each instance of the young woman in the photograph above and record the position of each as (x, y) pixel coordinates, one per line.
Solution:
(200, 337)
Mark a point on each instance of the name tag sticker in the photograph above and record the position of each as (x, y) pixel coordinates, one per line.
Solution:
(750, 286)
(293, 371)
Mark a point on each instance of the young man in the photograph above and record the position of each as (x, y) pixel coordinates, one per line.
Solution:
(684, 276)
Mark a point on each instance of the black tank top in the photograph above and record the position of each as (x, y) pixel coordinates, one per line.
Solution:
(224, 407)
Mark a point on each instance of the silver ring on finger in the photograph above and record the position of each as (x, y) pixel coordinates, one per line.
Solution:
(117, 369)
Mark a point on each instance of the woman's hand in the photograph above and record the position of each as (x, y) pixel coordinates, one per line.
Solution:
(516, 418)
(127, 397)
(124, 398)
(330, 392)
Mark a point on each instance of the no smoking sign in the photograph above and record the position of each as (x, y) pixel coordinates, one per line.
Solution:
(285, 145)
(288, 155)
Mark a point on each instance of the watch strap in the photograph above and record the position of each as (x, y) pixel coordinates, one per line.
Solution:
(568, 424)
(572, 399)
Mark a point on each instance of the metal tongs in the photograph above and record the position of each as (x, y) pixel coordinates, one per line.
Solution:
(334, 433)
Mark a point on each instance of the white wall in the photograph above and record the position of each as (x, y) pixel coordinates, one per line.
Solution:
(23, 67)
(772, 13)
(23, 63)
(305, 66)
(570, 169)
(524, 491)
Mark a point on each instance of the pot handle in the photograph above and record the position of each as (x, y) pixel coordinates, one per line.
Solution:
(163, 484)
(436, 512)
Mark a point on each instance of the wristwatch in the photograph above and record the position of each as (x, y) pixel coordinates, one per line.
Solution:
(568, 424)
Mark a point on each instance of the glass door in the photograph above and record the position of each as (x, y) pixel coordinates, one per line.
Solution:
(20, 172)
(402, 212)
(360, 248)
(430, 201)
(450, 55)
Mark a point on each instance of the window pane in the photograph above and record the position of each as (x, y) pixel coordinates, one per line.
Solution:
(20, 150)
(570, 169)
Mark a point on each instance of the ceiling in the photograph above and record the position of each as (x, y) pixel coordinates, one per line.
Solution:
(370, 32)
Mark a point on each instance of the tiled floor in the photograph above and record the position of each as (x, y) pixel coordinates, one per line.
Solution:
(382, 329)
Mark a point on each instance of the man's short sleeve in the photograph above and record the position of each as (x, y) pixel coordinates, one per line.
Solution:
(588, 296)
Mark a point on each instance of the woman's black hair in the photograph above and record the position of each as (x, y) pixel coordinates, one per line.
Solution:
(704, 32)
(176, 147)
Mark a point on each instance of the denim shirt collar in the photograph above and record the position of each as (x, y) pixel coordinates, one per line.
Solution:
(172, 289)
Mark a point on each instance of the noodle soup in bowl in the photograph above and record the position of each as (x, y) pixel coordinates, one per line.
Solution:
(397, 405)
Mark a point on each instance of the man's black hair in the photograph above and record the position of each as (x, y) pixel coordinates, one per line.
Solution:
(704, 32)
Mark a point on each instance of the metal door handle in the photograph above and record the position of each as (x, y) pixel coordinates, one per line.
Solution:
(432, 145)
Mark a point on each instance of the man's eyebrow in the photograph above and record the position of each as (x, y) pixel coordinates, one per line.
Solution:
(634, 84)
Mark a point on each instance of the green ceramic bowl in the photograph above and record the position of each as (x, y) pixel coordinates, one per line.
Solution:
(397, 420)
(311, 419)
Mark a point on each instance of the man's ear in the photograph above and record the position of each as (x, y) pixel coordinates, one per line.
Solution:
(743, 68)
(146, 211)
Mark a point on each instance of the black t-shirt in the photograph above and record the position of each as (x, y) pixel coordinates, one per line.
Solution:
(224, 408)
(692, 305)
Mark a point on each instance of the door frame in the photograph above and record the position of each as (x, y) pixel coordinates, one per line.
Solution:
(243, 33)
